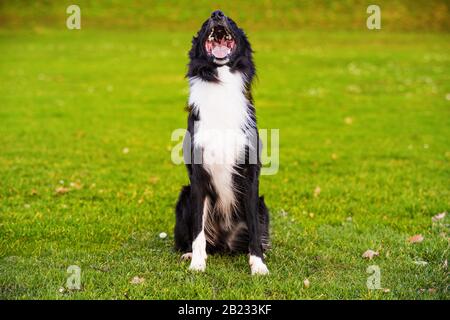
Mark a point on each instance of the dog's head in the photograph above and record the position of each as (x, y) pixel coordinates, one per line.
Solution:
(220, 42)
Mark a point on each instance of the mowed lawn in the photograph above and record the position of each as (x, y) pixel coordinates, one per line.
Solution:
(86, 176)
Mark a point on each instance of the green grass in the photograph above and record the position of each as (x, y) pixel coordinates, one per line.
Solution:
(362, 115)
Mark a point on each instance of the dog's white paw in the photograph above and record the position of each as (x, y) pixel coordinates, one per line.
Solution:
(186, 256)
(257, 266)
(198, 265)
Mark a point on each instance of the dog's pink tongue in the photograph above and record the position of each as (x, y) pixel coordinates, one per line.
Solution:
(220, 51)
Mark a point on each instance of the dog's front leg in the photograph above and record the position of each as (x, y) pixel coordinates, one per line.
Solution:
(256, 260)
(201, 207)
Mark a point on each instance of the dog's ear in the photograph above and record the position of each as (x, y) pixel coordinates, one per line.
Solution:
(195, 51)
(197, 48)
(244, 57)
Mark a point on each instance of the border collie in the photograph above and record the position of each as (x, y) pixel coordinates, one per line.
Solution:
(221, 210)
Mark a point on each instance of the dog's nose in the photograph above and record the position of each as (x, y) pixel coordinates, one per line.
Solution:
(217, 15)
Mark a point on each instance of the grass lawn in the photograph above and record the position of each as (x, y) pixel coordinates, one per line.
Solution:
(363, 116)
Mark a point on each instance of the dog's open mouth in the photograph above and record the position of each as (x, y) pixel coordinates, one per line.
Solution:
(220, 43)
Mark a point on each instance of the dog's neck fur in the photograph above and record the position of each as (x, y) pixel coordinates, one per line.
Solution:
(222, 109)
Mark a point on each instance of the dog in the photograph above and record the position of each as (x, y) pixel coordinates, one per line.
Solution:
(221, 210)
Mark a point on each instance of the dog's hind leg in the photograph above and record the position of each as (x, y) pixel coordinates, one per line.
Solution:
(252, 212)
(263, 215)
(183, 224)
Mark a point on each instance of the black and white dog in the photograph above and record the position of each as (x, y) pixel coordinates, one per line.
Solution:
(221, 210)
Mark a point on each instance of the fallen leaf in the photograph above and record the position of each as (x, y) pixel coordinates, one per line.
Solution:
(353, 89)
(420, 263)
(283, 213)
(317, 191)
(386, 290)
(137, 280)
(306, 283)
(348, 120)
(369, 254)
(62, 190)
(439, 216)
(153, 180)
(76, 185)
(102, 268)
(416, 238)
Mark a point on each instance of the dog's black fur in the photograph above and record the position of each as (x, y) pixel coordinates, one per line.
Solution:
(251, 210)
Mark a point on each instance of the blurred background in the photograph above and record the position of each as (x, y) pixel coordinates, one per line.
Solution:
(398, 15)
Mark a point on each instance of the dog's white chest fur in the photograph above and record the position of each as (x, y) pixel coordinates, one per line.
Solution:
(221, 129)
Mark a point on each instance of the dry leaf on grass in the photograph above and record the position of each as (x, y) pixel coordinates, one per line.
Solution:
(317, 191)
(348, 120)
(153, 179)
(306, 283)
(420, 263)
(439, 216)
(76, 185)
(137, 280)
(416, 238)
(62, 190)
(369, 254)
